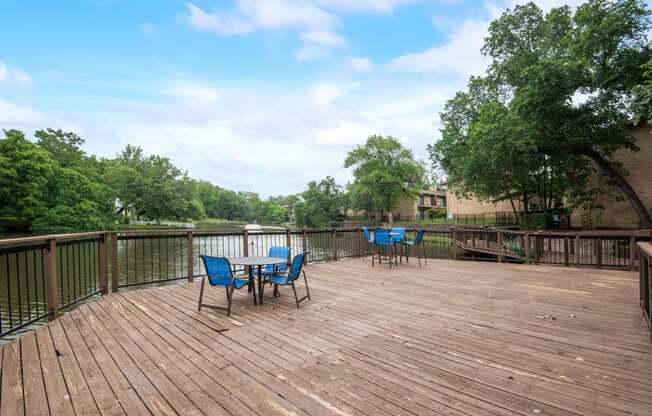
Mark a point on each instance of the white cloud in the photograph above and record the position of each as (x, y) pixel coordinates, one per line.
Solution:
(343, 133)
(323, 37)
(14, 77)
(460, 56)
(325, 93)
(358, 6)
(314, 23)
(249, 15)
(14, 114)
(219, 22)
(361, 64)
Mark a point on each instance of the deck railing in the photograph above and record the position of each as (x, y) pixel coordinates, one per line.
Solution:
(609, 249)
(645, 281)
(40, 276)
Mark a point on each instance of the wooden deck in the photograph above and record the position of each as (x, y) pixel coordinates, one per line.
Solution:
(452, 338)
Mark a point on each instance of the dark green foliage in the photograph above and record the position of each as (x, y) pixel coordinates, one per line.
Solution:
(534, 221)
(25, 172)
(385, 173)
(322, 203)
(559, 96)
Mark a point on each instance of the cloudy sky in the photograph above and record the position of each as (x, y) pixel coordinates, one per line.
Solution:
(256, 95)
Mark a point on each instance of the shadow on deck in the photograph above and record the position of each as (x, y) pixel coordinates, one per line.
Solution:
(451, 338)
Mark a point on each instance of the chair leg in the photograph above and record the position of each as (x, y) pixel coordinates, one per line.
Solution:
(252, 290)
(423, 250)
(201, 292)
(229, 297)
(296, 298)
(305, 279)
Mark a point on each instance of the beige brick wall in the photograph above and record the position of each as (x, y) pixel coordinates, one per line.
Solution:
(458, 205)
(639, 165)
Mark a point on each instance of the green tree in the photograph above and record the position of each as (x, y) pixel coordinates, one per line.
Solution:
(385, 173)
(643, 94)
(64, 147)
(320, 204)
(274, 213)
(490, 153)
(567, 81)
(75, 204)
(25, 173)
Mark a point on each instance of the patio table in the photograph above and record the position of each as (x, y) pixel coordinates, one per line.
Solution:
(259, 262)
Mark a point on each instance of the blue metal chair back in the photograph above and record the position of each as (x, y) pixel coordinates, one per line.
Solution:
(277, 251)
(295, 267)
(367, 234)
(400, 231)
(382, 237)
(419, 236)
(218, 270)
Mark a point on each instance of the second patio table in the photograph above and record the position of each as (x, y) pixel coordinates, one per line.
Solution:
(259, 262)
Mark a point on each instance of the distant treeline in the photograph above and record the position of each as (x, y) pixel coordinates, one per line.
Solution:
(52, 186)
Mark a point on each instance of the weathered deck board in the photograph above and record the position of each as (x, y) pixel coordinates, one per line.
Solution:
(451, 338)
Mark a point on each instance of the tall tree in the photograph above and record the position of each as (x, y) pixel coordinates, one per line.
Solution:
(490, 153)
(597, 54)
(569, 80)
(385, 173)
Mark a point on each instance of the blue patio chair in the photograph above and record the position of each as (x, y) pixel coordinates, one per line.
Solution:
(384, 247)
(415, 244)
(270, 269)
(401, 234)
(296, 269)
(370, 240)
(219, 273)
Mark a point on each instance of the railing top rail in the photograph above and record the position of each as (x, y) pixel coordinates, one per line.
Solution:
(152, 233)
(645, 248)
(562, 234)
(42, 238)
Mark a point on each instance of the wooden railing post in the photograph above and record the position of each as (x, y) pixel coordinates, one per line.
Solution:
(454, 243)
(190, 261)
(334, 243)
(526, 247)
(578, 250)
(499, 239)
(51, 281)
(597, 248)
(115, 270)
(288, 238)
(566, 252)
(104, 264)
(632, 252)
(245, 243)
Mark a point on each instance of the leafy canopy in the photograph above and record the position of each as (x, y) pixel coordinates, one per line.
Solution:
(320, 204)
(385, 173)
(559, 94)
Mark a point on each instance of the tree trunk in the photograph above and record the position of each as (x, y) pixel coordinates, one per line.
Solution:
(631, 195)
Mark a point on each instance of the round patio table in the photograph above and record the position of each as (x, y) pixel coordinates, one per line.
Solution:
(259, 262)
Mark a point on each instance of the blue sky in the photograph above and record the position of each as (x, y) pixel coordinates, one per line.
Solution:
(256, 95)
